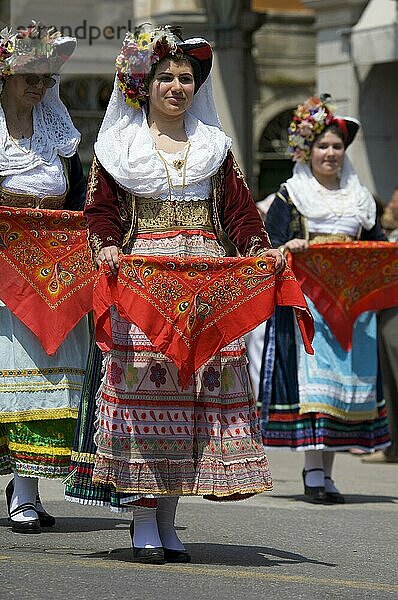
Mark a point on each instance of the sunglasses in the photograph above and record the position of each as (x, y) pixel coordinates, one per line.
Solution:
(46, 80)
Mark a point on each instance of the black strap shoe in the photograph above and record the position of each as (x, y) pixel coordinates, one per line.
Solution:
(45, 519)
(314, 494)
(31, 526)
(152, 556)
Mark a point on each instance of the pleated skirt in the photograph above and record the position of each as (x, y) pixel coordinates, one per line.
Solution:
(326, 388)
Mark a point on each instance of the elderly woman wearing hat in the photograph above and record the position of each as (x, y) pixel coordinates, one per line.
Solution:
(39, 168)
(323, 202)
(164, 182)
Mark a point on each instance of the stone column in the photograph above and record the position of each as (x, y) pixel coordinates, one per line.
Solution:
(231, 24)
(336, 73)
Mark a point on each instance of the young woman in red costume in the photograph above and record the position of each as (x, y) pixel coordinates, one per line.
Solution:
(164, 182)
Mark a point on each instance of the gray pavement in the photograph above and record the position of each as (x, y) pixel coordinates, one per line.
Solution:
(274, 546)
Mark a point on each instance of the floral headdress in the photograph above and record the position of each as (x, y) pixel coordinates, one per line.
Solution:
(146, 46)
(6, 48)
(309, 120)
(35, 48)
(140, 50)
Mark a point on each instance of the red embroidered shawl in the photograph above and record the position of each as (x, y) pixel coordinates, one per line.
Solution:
(190, 308)
(346, 279)
(47, 274)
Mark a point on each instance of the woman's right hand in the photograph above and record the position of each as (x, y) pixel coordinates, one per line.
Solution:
(296, 245)
(110, 254)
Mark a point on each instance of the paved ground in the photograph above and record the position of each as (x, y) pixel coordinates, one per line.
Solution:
(274, 546)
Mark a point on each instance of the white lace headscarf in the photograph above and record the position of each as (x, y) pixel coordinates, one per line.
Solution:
(53, 134)
(314, 201)
(126, 149)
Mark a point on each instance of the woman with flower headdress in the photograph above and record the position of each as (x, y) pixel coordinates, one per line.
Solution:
(164, 182)
(328, 401)
(39, 169)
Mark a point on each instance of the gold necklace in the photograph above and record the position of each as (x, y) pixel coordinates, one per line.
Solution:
(180, 165)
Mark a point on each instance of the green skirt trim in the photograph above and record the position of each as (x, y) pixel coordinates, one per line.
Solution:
(36, 448)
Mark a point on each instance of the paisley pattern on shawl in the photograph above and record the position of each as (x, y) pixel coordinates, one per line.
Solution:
(192, 307)
(47, 273)
(345, 279)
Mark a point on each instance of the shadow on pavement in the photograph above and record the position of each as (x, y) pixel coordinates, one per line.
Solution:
(85, 524)
(225, 554)
(349, 499)
(81, 524)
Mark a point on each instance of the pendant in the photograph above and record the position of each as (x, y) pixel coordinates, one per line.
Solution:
(178, 164)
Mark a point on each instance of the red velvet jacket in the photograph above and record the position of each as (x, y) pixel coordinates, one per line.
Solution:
(110, 211)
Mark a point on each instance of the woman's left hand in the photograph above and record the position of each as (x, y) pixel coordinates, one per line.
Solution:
(280, 261)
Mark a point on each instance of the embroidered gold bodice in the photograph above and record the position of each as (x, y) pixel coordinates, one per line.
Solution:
(327, 238)
(165, 215)
(18, 200)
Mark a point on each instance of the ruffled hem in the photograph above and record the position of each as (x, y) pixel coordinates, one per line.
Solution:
(211, 478)
(326, 448)
(100, 503)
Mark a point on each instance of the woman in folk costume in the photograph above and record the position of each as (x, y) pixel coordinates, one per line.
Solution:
(328, 401)
(39, 168)
(164, 182)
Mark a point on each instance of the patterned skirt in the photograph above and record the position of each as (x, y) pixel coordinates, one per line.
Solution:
(36, 448)
(152, 437)
(39, 398)
(330, 380)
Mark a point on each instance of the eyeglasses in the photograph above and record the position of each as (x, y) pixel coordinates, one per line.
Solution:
(46, 80)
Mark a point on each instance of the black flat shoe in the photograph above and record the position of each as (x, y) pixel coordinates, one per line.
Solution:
(334, 497)
(177, 556)
(314, 494)
(31, 526)
(152, 556)
(45, 519)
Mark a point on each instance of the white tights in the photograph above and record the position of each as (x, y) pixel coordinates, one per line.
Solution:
(154, 527)
(25, 491)
(319, 459)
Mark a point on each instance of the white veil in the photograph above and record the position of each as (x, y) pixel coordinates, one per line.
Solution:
(126, 149)
(53, 134)
(314, 201)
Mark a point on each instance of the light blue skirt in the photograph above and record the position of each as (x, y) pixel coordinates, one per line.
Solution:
(335, 381)
(34, 385)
